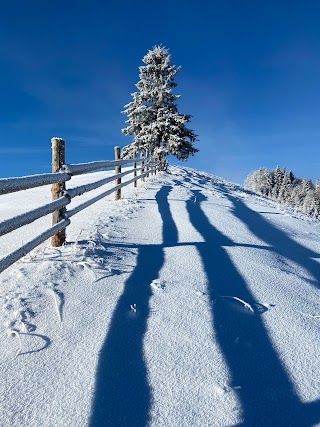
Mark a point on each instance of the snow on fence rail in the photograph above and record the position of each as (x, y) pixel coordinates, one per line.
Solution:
(11, 185)
(61, 173)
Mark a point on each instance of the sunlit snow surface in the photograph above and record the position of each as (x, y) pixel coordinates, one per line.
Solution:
(188, 303)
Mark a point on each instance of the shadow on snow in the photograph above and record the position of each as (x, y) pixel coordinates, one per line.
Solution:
(266, 393)
(279, 241)
(122, 391)
(261, 382)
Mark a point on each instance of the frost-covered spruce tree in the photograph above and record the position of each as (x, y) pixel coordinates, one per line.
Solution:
(258, 181)
(153, 117)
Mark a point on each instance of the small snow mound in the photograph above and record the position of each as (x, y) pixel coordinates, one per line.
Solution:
(158, 285)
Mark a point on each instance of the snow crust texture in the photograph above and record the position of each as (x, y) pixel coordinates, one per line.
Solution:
(190, 302)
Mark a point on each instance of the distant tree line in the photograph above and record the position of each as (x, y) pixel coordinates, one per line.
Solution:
(285, 188)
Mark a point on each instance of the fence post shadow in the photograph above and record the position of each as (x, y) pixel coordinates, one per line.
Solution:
(264, 388)
(279, 241)
(122, 391)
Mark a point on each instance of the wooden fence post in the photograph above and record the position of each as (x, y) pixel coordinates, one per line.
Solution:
(118, 170)
(135, 172)
(142, 165)
(58, 159)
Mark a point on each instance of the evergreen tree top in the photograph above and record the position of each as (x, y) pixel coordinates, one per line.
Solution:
(158, 53)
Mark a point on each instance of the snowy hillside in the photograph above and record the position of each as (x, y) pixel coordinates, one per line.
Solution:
(190, 302)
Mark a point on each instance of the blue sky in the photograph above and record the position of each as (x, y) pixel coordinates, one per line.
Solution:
(249, 77)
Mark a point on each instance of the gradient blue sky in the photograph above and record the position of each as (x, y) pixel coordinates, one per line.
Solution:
(250, 79)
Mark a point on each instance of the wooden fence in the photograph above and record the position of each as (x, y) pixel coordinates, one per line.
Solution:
(61, 173)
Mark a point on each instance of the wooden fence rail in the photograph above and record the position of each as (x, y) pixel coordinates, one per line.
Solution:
(62, 196)
(11, 185)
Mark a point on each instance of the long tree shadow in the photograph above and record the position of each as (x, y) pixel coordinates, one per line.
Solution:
(279, 241)
(122, 391)
(263, 386)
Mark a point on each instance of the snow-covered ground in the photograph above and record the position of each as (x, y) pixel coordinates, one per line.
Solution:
(188, 303)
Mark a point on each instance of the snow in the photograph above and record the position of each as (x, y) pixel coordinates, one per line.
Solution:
(81, 168)
(190, 302)
(9, 185)
(26, 218)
